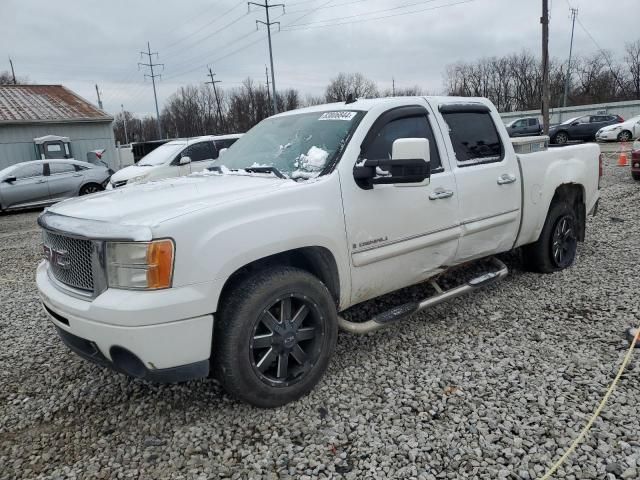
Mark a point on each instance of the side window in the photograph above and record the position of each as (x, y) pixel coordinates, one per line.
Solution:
(583, 120)
(408, 127)
(474, 138)
(220, 144)
(28, 171)
(201, 151)
(519, 124)
(55, 168)
(533, 122)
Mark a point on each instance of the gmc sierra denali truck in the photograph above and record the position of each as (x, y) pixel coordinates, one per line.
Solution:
(242, 271)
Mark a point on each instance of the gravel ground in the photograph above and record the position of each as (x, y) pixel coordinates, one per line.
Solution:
(494, 385)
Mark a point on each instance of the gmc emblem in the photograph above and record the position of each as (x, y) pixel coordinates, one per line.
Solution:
(58, 258)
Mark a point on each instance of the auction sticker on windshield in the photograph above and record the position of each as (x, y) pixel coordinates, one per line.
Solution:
(343, 115)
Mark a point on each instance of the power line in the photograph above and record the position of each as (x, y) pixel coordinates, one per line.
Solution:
(268, 23)
(195, 32)
(311, 26)
(153, 80)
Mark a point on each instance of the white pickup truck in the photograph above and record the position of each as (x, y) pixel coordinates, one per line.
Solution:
(242, 272)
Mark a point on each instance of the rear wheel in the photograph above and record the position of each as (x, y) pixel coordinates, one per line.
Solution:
(274, 336)
(624, 136)
(558, 243)
(90, 188)
(561, 138)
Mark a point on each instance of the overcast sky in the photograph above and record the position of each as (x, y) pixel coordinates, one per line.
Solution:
(79, 43)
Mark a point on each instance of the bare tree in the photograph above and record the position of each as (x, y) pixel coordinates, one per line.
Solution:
(6, 78)
(345, 84)
(632, 59)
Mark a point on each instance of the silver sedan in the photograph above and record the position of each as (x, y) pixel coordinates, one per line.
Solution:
(44, 182)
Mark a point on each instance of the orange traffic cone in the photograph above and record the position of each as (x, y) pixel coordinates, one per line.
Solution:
(622, 159)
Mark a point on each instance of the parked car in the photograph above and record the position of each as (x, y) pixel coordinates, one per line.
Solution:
(581, 128)
(621, 132)
(524, 127)
(635, 160)
(242, 272)
(45, 182)
(176, 158)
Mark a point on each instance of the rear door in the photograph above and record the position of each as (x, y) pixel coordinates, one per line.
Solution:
(29, 188)
(64, 180)
(533, 126)
(488, 181)
(581, 128)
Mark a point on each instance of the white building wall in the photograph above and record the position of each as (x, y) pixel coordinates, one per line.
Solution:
(557, 115)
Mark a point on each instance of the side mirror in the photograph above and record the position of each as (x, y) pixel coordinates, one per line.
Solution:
(409, 164)
(10, 179)
(185, 160)
(575, 123)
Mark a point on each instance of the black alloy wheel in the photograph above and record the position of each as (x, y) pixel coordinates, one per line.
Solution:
(565, 241)
(286, 341)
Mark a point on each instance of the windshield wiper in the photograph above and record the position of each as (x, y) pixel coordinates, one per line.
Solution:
(273, 170)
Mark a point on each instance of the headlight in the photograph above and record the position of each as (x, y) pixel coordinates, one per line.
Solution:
(140, 265)
(138, 179)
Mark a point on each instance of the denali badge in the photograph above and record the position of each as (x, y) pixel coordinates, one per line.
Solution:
(58, 258)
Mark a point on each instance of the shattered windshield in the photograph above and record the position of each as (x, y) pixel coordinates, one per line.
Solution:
(298, 145)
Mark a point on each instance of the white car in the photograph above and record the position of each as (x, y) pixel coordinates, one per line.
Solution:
(174, 159)
(620, 132)
(243, 272)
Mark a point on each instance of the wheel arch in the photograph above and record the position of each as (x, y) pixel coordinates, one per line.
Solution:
(566, 132)
(574, 195)
(318, 261)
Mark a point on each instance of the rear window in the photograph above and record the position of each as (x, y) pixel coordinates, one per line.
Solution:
(474, 137)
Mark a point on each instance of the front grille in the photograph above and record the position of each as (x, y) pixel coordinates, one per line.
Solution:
(121, 183)
(70, 260)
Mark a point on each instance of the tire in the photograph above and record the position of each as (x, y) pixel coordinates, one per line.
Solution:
(561, 138)
(558, 243)
(90, 188)
(259, 360)
(624, 136)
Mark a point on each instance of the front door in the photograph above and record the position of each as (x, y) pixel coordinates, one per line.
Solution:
(400, 235)
(488, 182)
(29, 187)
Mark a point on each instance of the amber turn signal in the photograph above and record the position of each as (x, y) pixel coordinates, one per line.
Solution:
(160, 264)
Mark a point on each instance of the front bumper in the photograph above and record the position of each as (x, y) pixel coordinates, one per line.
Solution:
(151, 337)
(607, 136)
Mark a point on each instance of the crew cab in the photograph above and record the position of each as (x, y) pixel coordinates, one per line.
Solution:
(176, 158)
(242, 272)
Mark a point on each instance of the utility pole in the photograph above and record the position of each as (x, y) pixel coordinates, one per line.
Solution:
(268, 23)
(99, 99)
(153, 76)
(393, 86)
(567, 81)
(124, 118)
(215, 91)
(545, 65)
(13, 73)
(266, 72)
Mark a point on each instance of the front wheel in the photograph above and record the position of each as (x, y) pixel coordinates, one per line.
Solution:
(274, 336)
(558, 243)
(624, 136)
(561, 138)
(90, 188)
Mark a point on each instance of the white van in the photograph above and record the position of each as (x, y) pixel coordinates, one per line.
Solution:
(174, 159)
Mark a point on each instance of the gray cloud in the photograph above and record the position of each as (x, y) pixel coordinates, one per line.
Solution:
(84, 42)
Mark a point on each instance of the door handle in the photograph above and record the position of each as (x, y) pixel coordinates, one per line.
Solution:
(506, 179)
(77, 175)
(440, 194)
(41, 181)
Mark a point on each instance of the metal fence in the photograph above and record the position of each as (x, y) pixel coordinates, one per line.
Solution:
(626, 110)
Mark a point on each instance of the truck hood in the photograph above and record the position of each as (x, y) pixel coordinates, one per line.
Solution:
(130, 172)
(155, 202)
